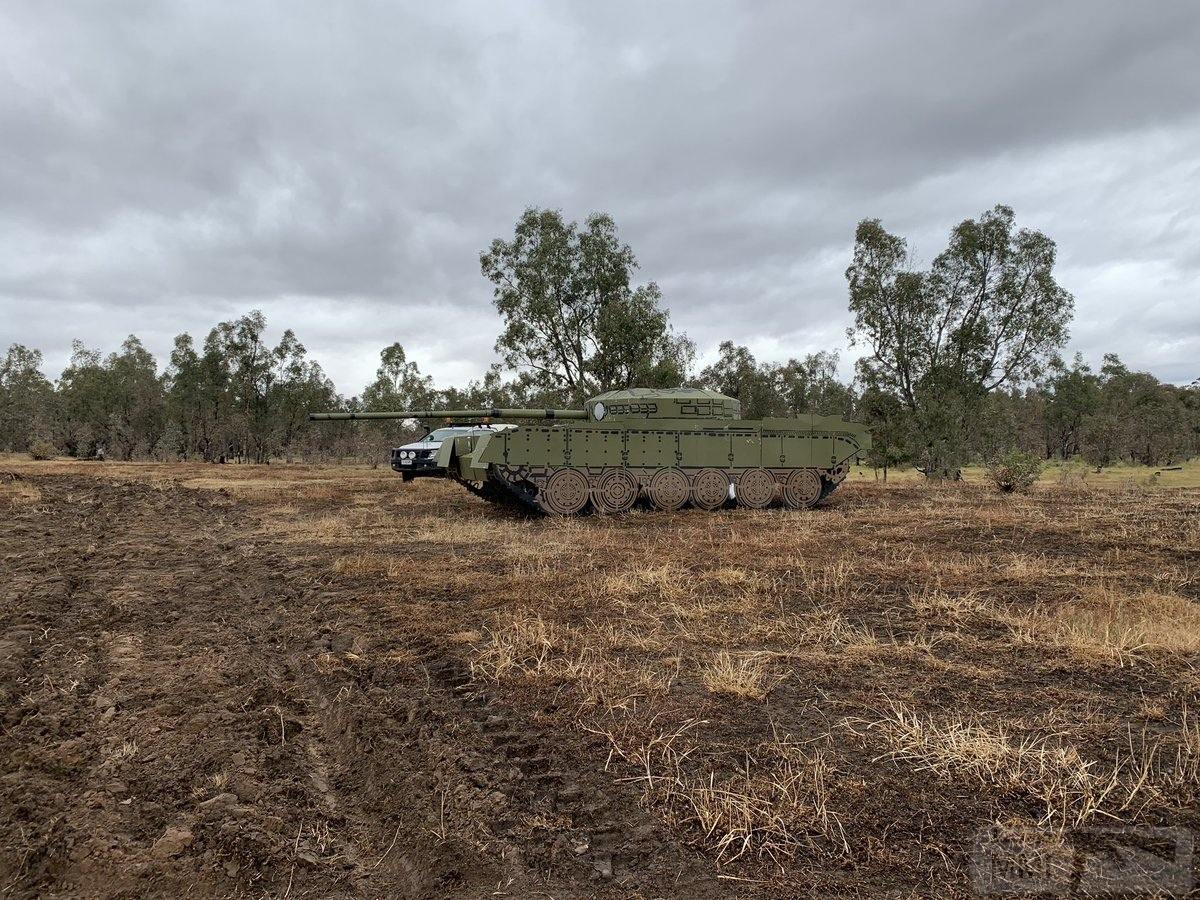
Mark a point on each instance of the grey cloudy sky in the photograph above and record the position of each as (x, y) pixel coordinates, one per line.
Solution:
(340, 165)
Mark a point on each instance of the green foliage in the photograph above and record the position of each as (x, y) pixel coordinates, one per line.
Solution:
(240, 398)
(42, 449)
(172, 446)
(1138, 418)
(1015, 470)
(1073, 400)
(398, 384)
(27, 401)
(572, 318)
(1104, 418)
(889, 428)
(988, 313)
(114, 404)
(799, 386)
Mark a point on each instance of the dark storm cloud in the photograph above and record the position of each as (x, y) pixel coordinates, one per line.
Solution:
(341, 166)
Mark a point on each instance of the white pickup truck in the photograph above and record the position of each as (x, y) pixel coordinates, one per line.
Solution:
(419, 458)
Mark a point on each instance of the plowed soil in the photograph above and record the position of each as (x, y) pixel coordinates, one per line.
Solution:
(301, 683)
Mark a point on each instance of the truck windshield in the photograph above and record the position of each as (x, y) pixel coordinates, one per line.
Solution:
(436, 437)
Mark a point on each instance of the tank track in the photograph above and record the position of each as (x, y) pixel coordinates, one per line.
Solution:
(518, 492)
(525, 487)
(502, 494)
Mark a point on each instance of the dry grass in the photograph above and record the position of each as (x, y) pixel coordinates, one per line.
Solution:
(828, 628)
(1070, 789)
(939, 604)
(1015, 845)
(775, 804)
(948, 591)
(523, 644)
(1175, 765)
(17, 492)
(651, 583)
(123, 752)
(1072, 475)
(745, 677)
(1109, 622)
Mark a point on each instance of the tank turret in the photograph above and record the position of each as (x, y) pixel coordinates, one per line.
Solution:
(648, 403)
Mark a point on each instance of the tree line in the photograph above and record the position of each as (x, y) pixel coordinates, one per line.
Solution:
(960, 361)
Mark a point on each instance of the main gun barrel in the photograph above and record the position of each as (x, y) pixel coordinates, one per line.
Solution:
(494, 413)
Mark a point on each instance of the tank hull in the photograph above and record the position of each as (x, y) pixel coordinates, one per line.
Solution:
(569, 468)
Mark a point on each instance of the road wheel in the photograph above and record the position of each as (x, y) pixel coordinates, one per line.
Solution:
(756, 488)
(669, 489)
(803, 489)
(710, 489)
(616, 491)
(565, 493)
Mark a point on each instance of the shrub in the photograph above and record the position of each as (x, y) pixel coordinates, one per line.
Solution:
(1073, 473)
(1015, 470)
(42, 449)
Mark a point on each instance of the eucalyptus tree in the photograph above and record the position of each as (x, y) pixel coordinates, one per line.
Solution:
(135, 395)
(27, 400)
(83, 392)
(988, 313)
(571, 316)
(1072, 398)
(398, 383)
(298, 385)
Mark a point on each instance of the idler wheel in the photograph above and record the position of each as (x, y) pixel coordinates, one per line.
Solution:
(710, 489)
(565, 493)
(803, 489)
(669, 489)
(615, 492)
(756, 488)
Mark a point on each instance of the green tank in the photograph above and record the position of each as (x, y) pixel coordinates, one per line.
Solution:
(668, 447)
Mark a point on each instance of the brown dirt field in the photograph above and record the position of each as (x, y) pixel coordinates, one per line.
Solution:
(299, 681)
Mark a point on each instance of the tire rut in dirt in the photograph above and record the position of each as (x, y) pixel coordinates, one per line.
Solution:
(604, 835)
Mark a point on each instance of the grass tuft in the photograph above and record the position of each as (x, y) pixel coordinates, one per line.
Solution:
(745, 677)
